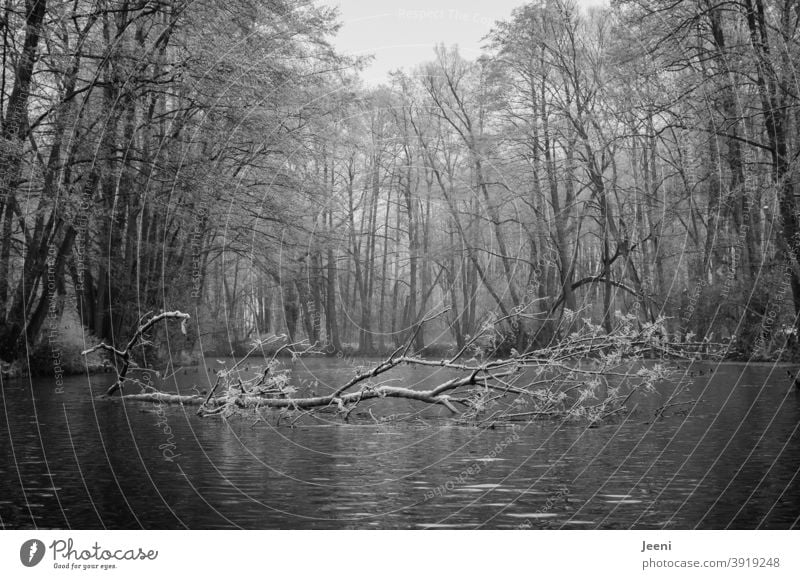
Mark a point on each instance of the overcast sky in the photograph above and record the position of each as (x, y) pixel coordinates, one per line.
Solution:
(403, 34)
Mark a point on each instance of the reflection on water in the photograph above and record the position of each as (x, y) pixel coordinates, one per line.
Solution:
(70, 460)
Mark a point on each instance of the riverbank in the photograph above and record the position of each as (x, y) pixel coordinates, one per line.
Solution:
(19, 369)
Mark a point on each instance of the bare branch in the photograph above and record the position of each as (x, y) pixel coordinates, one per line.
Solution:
(137, 335)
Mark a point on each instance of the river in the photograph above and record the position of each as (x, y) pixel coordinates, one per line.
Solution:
(70, 460)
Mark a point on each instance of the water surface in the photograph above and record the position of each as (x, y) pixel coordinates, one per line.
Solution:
(69, 460)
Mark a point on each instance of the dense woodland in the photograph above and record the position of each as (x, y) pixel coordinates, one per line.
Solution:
(221, 158)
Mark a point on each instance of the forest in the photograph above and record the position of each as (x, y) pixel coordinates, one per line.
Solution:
(636, 164)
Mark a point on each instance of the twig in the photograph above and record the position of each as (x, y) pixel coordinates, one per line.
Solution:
(660, 410)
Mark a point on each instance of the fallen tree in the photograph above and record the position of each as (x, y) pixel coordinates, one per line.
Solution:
(589, 375)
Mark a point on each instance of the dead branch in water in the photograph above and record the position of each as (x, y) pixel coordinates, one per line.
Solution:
(125, 354)
(588, 375)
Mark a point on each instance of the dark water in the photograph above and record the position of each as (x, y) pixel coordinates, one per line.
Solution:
(71, 461)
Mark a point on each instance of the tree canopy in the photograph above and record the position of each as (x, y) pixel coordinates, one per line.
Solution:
(223, 159)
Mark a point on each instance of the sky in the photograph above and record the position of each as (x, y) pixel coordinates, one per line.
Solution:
(403, 34)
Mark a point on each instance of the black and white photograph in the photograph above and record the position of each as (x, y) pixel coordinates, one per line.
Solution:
(341, 265)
